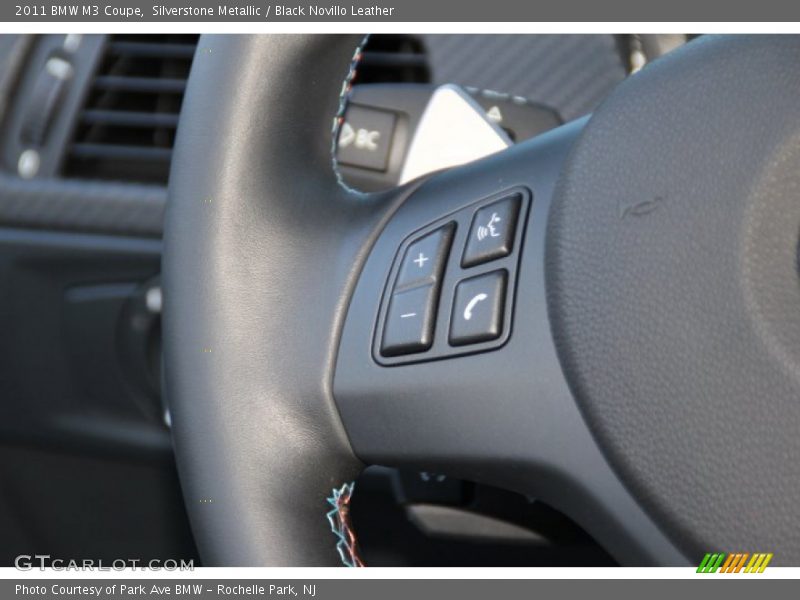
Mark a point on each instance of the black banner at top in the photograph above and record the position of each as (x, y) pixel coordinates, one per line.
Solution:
(177, 11)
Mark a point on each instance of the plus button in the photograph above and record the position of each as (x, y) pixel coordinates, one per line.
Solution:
(421, 260)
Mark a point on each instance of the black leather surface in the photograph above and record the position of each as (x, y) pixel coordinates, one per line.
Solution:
(261, 248)
(673, 289)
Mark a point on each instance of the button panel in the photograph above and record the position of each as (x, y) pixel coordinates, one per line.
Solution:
(451, 290)
(411, 316)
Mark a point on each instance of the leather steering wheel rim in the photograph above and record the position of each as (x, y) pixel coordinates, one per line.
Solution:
(254, 195)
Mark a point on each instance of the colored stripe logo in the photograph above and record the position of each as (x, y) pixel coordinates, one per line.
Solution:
(739, 562)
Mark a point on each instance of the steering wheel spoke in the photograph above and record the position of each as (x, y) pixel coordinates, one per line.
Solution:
(447, 362)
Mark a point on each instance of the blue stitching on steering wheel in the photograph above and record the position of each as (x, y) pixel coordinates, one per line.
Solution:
(338, 119)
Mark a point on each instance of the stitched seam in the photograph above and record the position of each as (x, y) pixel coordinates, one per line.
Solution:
(338, 119)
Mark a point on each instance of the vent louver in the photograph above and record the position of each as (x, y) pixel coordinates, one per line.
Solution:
(126, 128)
(393, 59)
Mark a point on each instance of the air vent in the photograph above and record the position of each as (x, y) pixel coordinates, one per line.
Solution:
(393, 59)
(126, 128)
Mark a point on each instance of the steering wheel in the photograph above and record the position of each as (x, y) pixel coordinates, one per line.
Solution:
(635, 362)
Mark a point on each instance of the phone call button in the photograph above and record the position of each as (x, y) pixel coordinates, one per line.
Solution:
(478, 309)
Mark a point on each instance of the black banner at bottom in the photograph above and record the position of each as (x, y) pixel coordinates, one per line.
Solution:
(388, 589)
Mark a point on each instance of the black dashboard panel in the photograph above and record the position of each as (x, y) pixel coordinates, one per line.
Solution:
(81, 417)
(126, 209)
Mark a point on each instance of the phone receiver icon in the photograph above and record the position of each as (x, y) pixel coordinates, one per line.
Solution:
(471, 304)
